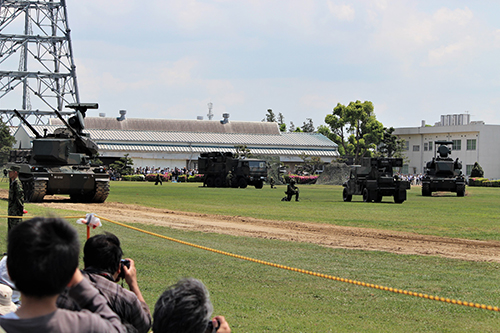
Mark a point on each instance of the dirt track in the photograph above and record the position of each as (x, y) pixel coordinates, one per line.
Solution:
(322, 234)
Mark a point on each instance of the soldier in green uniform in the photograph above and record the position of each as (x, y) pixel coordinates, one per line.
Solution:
(229, 178)
(291, 190)
(16, 197)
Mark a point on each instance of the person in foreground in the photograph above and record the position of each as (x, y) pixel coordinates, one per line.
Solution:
(102, 256)
(186, 308)
(42, 259)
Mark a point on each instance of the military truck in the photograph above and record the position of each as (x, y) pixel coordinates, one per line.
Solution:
(216, 166)
(443, 173)
(59, 163)
(374, 179)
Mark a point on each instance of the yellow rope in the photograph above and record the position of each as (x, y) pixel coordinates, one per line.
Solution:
(326, 276)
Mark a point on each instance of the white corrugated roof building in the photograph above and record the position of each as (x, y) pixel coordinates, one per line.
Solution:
(178, 143)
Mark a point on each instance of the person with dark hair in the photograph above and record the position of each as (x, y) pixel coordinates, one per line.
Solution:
(42, 259)
(186, 308)
(102, 257)
(16, 197)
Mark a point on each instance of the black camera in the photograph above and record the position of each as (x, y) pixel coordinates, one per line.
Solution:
(123, 262)
(211, 328)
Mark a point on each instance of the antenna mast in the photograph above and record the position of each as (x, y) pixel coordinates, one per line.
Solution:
(210, 115)
(38, 73)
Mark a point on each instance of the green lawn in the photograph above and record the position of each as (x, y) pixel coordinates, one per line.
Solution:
(258, 298)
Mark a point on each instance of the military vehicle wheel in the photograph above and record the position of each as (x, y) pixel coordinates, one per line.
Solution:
(378, 198)
(34, 190)
(460, 191)
(397, 199)
(259, 184)
(219, 182)
(366, 196)
(210, 182)
(346, 196)
(242, 183)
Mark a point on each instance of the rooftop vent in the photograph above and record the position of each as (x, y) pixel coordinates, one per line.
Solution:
(102, 115)
(199, 118)
(226, 118)
(122, 115)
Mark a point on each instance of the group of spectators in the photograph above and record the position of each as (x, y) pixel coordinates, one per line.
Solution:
(413, 179)
(168, 173)
(55, 296)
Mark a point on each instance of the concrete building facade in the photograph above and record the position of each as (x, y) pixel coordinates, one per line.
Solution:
(472, 142)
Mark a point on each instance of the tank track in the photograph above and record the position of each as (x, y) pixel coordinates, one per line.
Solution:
(101, 192)
(35, 190)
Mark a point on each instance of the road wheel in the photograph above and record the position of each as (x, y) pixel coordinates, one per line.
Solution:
(210, 182)
(397, 199)
(460, 190)
(366, 195)
(218, 182)
(378, 198)
(259, 184)
(346, 196)
(242, 183)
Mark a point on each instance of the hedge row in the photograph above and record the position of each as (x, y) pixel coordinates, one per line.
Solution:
(484, 182)
(301, 179)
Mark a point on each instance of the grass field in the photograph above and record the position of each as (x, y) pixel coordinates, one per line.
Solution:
(257, 298)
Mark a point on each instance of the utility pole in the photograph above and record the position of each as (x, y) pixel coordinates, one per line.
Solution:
(37, 70)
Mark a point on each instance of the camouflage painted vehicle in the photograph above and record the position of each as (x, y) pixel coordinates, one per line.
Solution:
(216, 166)
(374, 179)
(59, 163)
(443, 173)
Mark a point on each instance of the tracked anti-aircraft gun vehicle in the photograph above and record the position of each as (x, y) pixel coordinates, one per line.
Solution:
(374, 179)
(215, 167)
(59, 163)
(443, 173)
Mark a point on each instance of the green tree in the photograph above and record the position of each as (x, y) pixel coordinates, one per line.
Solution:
(390, 145)
(355, 129)
(123, 166)
(310, 164)
(325, 130)
(281, 122)
(6, 142)
(242, 152)
(477, 171)
(292, 127)
(270, 116)
(308, 126)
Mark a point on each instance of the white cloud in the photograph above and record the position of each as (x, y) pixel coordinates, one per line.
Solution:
(341, 12)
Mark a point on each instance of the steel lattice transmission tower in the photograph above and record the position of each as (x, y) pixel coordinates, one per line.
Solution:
(37, 70)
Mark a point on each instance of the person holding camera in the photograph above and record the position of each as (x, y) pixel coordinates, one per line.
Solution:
(185, 307)
(104, 267)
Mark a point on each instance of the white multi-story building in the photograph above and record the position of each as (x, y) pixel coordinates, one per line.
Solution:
(472, 142)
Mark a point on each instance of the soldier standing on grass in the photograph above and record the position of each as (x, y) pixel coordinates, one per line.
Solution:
(16, 197)
(158, 179)
(229, 178)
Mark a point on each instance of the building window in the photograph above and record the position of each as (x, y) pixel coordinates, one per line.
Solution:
(430, 145)
(468, 169)
(471, 144)
(457, 145)
(404, 169)
(416, 148)
(407, 145)
(426, 146)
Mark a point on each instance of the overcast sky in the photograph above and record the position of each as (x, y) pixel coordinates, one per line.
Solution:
(415, 60)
